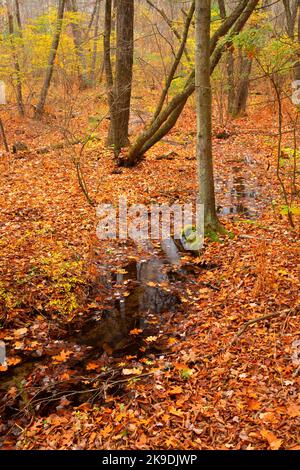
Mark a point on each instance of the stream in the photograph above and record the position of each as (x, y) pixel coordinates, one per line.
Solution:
(143, 296)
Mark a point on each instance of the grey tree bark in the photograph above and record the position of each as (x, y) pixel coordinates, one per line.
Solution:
(53, 52)
(95, 48)
(204, 115)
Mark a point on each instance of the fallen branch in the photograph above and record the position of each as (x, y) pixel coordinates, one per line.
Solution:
(269, 316)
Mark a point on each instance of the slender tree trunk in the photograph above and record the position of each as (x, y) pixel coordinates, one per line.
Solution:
(18, 16)
(229, 65)
(123, 75)
(3, 135)
(108, 67)
(176, 61)
(292, 9)
(53, 52)
(242, 88)
(95, 43)
(297, 66)
(83, 77)
(204, 114)
(17, 79)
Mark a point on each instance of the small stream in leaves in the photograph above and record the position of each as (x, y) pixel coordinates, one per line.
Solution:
(144, 296)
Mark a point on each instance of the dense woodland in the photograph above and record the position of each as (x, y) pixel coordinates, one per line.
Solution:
(120, 343)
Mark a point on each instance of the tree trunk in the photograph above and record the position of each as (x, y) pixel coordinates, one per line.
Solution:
(17, 80)
(83, 78)
(108, 66)
(204, 115)
(95, 48)
(297, 66)
(291, 11)
(53, 52)
(122, 84)
(242, 88)
(18, 16)
(229, 65)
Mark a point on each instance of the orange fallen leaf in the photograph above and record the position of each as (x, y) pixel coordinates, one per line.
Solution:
(106, 431)
(175, 390)
(63, 356)
(92, 366)
(273, 441)
(136, 331)
(13, 361)
(253, 404)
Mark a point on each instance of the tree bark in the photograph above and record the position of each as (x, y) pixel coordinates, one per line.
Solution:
(18, 16)
(170, 114)
(297, 66)
(53, 52)
(204, 115)
(83, 77)
(292, 9)
(122, 83)
(108, 66)
(17, 80)
(239, 104)
(95, 48)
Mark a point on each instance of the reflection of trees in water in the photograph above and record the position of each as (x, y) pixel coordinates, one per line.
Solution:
(239, 194)
(132, 311)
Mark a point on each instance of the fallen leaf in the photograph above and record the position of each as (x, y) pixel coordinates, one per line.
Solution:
(273, 441)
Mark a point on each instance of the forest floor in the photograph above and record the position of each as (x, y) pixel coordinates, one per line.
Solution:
(83, 372)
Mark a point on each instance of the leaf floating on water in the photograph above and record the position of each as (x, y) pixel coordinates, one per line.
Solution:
(151, 339)
(136, 331)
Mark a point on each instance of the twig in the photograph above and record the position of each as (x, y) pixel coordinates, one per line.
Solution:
(259, 319)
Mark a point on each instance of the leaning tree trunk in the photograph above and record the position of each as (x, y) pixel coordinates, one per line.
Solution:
(53, 52)
(122, 84)
(95, 43)
(204, 115)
